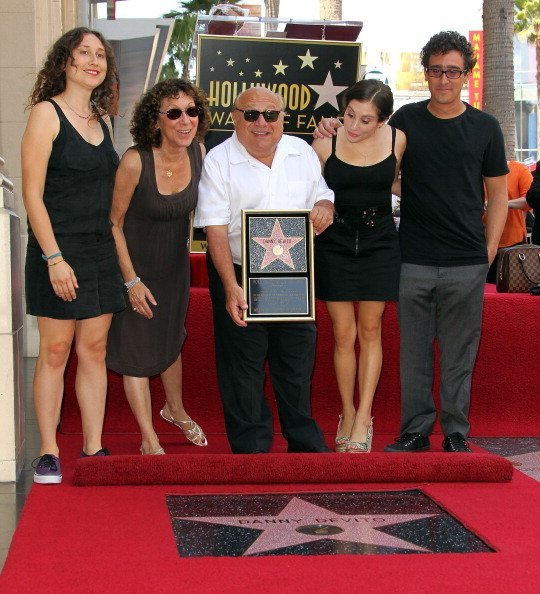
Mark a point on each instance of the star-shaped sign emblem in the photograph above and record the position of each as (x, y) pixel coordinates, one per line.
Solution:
(230, 62)
(302, 522)
(277, 246)
(280, 68)
(307, 60)
(327, 92)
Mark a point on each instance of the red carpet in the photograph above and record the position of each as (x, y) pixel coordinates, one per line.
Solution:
(505, 389)
(226, 469)
(119, 539)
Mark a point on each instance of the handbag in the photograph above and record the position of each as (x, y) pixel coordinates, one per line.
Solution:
(518, 269)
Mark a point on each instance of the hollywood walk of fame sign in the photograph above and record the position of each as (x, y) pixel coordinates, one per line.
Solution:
(339, 523)
(309, 75)
(277, 266)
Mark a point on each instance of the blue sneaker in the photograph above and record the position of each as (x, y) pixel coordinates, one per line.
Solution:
(47, 470)
(102, 452)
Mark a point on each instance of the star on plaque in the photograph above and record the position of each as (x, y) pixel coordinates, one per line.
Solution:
(327, 92)
(280, 68)
(277, 246)
(230, 62)
(258, 73)
(337, 64)
(307, 60)
(303, 522)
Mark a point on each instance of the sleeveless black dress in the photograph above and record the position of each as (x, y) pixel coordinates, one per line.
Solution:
(357, 258)
(77, 195)
(156, 228)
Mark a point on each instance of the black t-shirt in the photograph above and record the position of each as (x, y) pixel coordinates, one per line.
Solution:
(442, 192)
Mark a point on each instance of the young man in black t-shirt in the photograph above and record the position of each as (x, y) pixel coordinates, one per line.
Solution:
(453, 149)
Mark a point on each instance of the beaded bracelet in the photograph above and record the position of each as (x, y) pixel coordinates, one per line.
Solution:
(51, 256)
(131, 283)
(55, 263)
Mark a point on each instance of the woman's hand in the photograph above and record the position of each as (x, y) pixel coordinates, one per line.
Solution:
(63, 280)
(139, 298)
(326, 128)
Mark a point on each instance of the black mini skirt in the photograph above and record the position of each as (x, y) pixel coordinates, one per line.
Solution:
(94, 261)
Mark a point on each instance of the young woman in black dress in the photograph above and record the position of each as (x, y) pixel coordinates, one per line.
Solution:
(357, 258)
(73, 281)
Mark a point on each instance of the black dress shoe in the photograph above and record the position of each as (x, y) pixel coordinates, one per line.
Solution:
(455, 442)
(409, 442)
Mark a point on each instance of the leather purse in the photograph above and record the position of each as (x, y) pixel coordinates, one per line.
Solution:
(518, 269)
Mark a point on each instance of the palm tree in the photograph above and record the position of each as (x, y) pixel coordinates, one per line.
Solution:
(271, 9)
(330, 10)
(527, 22)
(498, 92)
(182, 36)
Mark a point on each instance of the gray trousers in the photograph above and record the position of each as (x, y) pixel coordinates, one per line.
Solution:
(443, 303)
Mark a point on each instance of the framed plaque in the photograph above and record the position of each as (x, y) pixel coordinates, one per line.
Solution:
(277, 266)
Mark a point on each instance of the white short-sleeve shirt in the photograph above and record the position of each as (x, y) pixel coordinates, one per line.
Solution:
(233, 180)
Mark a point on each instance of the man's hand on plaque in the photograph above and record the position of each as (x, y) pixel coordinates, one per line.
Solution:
(236, 305)
(322, 215)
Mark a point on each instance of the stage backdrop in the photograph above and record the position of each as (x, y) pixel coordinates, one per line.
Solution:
(309, 75)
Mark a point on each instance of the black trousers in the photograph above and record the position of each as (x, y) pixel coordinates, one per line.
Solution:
(241, 354)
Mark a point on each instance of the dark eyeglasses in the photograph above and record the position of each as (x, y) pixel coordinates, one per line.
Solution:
(252, 115)
(452, 73)
(176, 112)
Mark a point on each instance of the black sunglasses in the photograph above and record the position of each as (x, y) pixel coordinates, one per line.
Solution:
(176, 112)
(252, 115)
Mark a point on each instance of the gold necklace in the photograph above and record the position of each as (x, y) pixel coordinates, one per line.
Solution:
(166, 170)
(76, 113)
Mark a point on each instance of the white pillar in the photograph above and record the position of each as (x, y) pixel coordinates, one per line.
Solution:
(11, 338)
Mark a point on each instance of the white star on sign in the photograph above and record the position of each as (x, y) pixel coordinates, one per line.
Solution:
(281, 531)
(258, 73)
(280, 68)
(230, 62)
(308, 60)
(328, 92)
(337, 64)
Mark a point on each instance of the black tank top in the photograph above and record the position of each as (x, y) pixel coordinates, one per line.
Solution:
(79, 182)
(357, 188)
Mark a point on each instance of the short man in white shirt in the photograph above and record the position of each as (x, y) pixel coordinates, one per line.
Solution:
(259, 168)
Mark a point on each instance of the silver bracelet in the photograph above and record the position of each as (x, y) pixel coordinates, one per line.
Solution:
(131, 283)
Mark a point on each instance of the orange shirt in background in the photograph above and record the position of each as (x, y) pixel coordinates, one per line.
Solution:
(518, 181)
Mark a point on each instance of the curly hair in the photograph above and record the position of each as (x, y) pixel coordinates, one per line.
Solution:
(51, 79)
(143, 123)
(447, 41)
(374, 91)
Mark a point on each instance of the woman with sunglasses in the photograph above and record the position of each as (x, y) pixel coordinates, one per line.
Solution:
(73, 283)
(154, 194)
(357, 259)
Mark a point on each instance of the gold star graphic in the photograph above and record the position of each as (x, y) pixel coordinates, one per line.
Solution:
(280, 68)
(308, 60)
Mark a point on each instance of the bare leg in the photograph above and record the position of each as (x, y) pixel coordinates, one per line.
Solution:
(344, 326)
(172, 382)
(91, 380)
(138, 394)
(174, 411)
(55, 338)
(369, 363)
